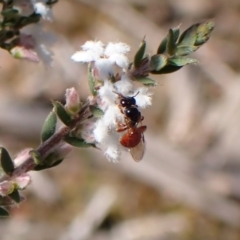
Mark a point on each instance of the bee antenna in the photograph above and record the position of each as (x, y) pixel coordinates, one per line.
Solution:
(119, 94)
(136, 94)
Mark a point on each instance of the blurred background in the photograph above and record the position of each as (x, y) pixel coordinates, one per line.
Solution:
(188, 184)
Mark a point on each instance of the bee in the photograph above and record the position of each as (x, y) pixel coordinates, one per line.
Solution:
(133, 139)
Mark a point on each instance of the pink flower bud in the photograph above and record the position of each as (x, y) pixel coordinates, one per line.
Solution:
(25, 49)
(6, 187)
(72, 101)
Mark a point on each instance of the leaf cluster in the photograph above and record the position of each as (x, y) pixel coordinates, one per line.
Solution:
(171, 53)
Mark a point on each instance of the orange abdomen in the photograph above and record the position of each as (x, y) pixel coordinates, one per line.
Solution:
(133, 136)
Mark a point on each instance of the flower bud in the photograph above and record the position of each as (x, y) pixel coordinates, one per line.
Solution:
(72, 105)
(6, 187)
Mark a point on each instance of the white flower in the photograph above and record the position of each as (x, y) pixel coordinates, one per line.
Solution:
(101, 131)
(92, 51)
(113, 154)
(84, 57)
(112, 147)
(143, 97)
(104, 68)
(97, 47)
(116, 53)
(43, 10)
(107, 95)
(113, 48)
(124, 86)
(120, 60)
(112, 116)
(86, 131)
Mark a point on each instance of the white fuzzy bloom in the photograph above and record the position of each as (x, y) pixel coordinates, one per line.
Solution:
(120, 60)
(92, 51)
(94, 46)
(104, 68)
(112, 116)
(84, 57)
(107, 95)
(143, 98)
(43, 10)
(112, 147)
(124, 86)
(119, 48)
(113, 154)
(86, 131)
(101, 131)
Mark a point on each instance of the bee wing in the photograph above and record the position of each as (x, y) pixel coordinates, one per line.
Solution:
(138, 151)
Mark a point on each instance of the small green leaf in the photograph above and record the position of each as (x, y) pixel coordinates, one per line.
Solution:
(91, 81)
(3, 212)
(166, 69)
(62, 113)
(77, 142)
(185, 50)
(157, 62)
(147, 81)
(49, 126)
(171, 44)
(10, 13)
(96, 112)
(189, 36)
(181, 61)
(197, 34)
(176, 32)
(6, 161)
(140, 54)
(204, 32)
(35, 156)
(40, 167)
(163, 46)
(15, 196)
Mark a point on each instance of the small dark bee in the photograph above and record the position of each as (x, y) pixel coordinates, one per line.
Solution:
(133, 139)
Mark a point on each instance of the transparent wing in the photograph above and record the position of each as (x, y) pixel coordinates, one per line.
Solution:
(138, 151)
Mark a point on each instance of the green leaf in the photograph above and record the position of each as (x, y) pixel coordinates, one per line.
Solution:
(197, 34)
(140, 54)
(45, 166)
(10, 13)
(147, 81)
(157, 62)
(6, 161)
(166, 69)
(3, 212)
(185, 50)
(181, 61)
(77, 142)
(15, 196)
(171, 44)
(176, 32)
(91, 81)
(62, 113)
(189, 36)
(204, 32)
(163, 46)
(96, 112)
(49, 126)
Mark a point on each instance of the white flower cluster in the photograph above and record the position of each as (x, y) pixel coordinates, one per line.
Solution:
(105, 59)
